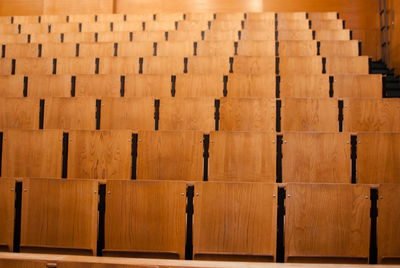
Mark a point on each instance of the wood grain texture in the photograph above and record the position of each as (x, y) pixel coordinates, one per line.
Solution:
(388, 232)
(242, 156)
(330, 35)
(251, 86)
(327, 220)
(251, 114)
(23, 264)
(143, 85)
(21, 7)
(289, 35)
(316, 157)
(119, 65)
(194, 25)
(138, 49)
(222, 35)
(216, 48)
(76, 65)
(197, 86)
(300, 65)
(33, 66)
(253, 65)
(127, 113)
(97, 86)
(19, 113)
(208, 65)
(294, 24)
(234, 219)
(260, 25)
(145, 217)
(21, 50)
(267, 35)
(347, 65)
(327, 24)
(187, 114)
(11, 86)
(304, 86)
(68, 113)
(101, 155)
(339, 48)
(72, 202)
(96, 50)
(163, 65)
(296, 48)
(32, 153)
(7, 210)
(306, 114)
(378, 157)
(170, 155)
(226, 25)
(371, 115)
(256, 48)
(179, 49)
(77, 7)
(49, 86)
(358, 86)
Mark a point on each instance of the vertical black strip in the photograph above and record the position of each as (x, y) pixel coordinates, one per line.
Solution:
(77, 50)
(313, 35)
(96, 37)
(111, 26)
(29, 39)
(344, 24)
(67, 19)
(25, 90)
(353, 159)
(17, 217)
(115, 49)
(173, 85)
(215, 16)
(318, 48)
(278, 87)
(156, 113)
(176, 25)
(12, 20)
(225, 90)
(54, 66)
(310, 24)
(194, 48)
(340, 117)
(189, 223)
(324, 65)
(95, 18)
(130, 36)
(185, 63)
(276, 35)
(154, 16)
(49, 28)
(19, 28)
(140, 65)
(98, 113)
(209, 25)
(216, 114)
(359, 48)
(351, 35)
(124, 17)
(242, 24)
(41, 114)
(80, 27)
(1, 150)
(337, 15)
(166, 36)
(277, 61)
(280, 237)
(144, 26)
(97, 68)
(184, 16)
(279, 156)
(278, 115)
(276, 49)
(39, 50)
(373, 248)
(245, 16)
(307, 15)
(206, 155)
(3, 51)
(231, 64)
(102, 213)
(62, 38)
(73, 85)
(155, 49)
(13, 63)
(202, 35)
(240, 35)
(236, 48)
(122, 89)
(64, 172)
(134, 155)
(331, 90)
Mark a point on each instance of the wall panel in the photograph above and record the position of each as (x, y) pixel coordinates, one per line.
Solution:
(77, 6)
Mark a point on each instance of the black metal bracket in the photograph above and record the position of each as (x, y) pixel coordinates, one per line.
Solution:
(189, 223)
(185, 65)
(19, 28)
(194, 48)
(184, 16)
(67, 19)
(313, 34)
(25, 90)
(17, 217)
(12, 20)
(13, 63)
(307, 15)
(111, 26)
(154, 16)
(122, 89)
(351, 35)
(373, 248)
(130, 36)
(39, 50)
(143, 26)
(176, 25)
(324, 65)
(310, 24)
(279, 156)
(156, 113)
(41, 113)
(206, 155)
(102, 213)
(95, 18)
(331, 90)
(29, 39)
(98, 113)
(49, 28)
(80, 27)
(3, 51)
(202, 35)
(278, 87)
(318, 48)
(236, 44)
(140, 65)
(276, 35)
(225, 90)
(115, 49)
(96, 37)
(245, 16)
(215, 16)
(359, 48)
(344, 24)
(209, 25)
(134, 155)
(277, 61)
(124, 17)
(166, 36)
(217, 104)
(97, 68)
(242, 24)
(231, 64)
(278, 115)
(340, 117)
(54, 66)
(353, 159)
(276, 48)
(64, 172)
(73, 85)
(280, 237)
(337, 15)
(240, 35)
(77, 50)
(61, 38)
(155, 49)
(173, 85)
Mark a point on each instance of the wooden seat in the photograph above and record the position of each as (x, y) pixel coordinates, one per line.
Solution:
(347, 65)
(253, 65)
(142, 85)
(322, 15)
(124, 26)
(357, 86)
(143, 36)
(328, 35)
(70, 113)
(9, 29)
(13, 38)
(183, 36)
(111, 17)
(387, 228)
(145, 219)
(216, 48)
(76, 65)
(300, 65)
(170, 155)
(181, 49)
(75, 229)
(313, 157)
(54, 50)
(60, 28)
(139, 17)
(371, 115)
(81, 18)
(166, 25)
(260, 25)
(96, 50)
(229, 16)
(310, 114)
(304, 86)
(47, 86)
(119, 65)
(327, 24)
(127, 113)
(24, 66)
(67, 38)
(260, 16)
(297, 48)
(102, 155)
(193, 25)
(208, 65)
(256, 48)
(251, 86)
(339, 48)
(221, 35)
(226, 25)
(187, 114)
(135, 49)
(25, 20)
(32, 153)
(282, 16)
(299, 35)
(163, 65)
(7, 210)
(199, 16)
(250, 114)
(234, 221)
(19, 113)
(242, 156)
(97, 86)
(377, 158)
(119, 37)
(327, 223)
(51, 19)
(268, 35)
(11, 86)
(293, 24)
(169, 16)
(21, 50)
(198, 86)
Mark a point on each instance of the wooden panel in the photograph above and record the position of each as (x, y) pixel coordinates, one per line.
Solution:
(7, 210)
(332, 24)
(63, 28)
(242, 156)
(198, 86)
(187, 114)
(21, 7)
(19, 113)
(322, 15)
(80, 18)
(127, 113)
(101, 155)
(170, 155)
(72, 202)
(110, 17)
(378, 157)
(138, 16)
(96, 50)
(297, 48)
(253, 65)
(124, 26)
(260, 25)
(169, 16)
(227, 35)
(77, 6)
(44, 86)
(148, 86)
(59, 50)
(12, 38)
(306, 114)
(113, 37)
(26, 66)
(316, 157)
(235, 219)
(23, 264)
(216, 48)
(76, 65)
(200, 16)
(229, 16)
(160, 26)
(99, 86)
(248, 86)
(358, 86)
(260, 16)
(300, 65)
(208, 65)
(8, 29)
(328, 35)
(145, 217)
(256, 48)
(11, 86)
(21, 50)
(347, 65)
(119, 65)
(258, 35)
(28, 153)
(237, 114)
(304, 86)
(293, 15)
(163, 65)
(226, 25)
(194, 25)
(371, 115)
(183, 36)
(295, 35)
(181, 49)
(313, 209)
(388, 232)
(293, 24)
(77, 37)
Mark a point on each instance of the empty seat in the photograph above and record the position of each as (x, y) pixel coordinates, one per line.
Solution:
(169, 16)
(198, 86)
(378, 156)
(227, 25)
(70, 113)
(32, 153)
(182, 49)
(267, 35)
(310, 114)
(260, 16)
(52, 50)
(215, 48)
(73, 38)
(300, 65)
(297, 48)
(11, 86)
(98, 86)
(154, 36)
(119, 65)
(304, 86)
(316, 157)
(163, 65)
(388, 219)
(299, 35)
(234, 221)
(145, 219)
(59, 216)
(139, 17)
(357, 86)
(16, 263)
(143, 85)
(183, 36)
(135, 49)
(327, 223)
(227, 16)
(7, 210)
(323, 15)
(126, 26)
(26, 66)
(127, 113)
(194, 25)
(13, 38)
(208, 65)
(95, 50)
(347, 65)
(187, 114)
(111, 17)
(282, 16)
(81, 18)
(221, 35)
(102, 155)
(326, 35)
(46, 86)
(21, 50)
(293, 24)
(9, 29)
(20, 113)
(247, 114)
(256, 48)
(242, 156)
(160, 26)
(371, 115)
(26, 19)
(199, 16)
(170, 155)
(253, 65)
(121, 37)
(251, 86)
(75, 66)
(260, 25)
(327, 24)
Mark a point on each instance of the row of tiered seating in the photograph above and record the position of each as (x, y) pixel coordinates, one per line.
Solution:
(191, 123)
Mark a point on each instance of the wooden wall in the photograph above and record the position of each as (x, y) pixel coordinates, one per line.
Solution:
(21, 7)
(394, 38)
(77, 6)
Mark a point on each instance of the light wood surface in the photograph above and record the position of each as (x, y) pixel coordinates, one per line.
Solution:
(251, 86)
(304, 86)
(47, 86)
(11, 86)
(19, 113)
(358, 86)
(339, 48)
(347, 65)
(7, 205)
(253, 65)
(156, 86)
(300, 65)
(295, 48)
(198, 86)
